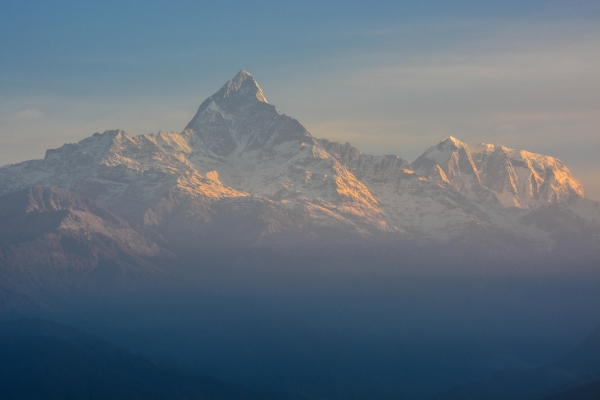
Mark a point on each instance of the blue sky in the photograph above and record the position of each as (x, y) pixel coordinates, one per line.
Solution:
(389, 77)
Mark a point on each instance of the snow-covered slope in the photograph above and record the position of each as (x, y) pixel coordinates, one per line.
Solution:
(240, 166)
(515, 178)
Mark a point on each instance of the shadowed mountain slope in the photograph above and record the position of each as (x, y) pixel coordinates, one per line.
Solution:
(586, 392)
(40, 359)
(572, 374)
(52, 241)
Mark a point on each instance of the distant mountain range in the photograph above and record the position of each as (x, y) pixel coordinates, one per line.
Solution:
(114, 209)
(242, 173)
(245, 247)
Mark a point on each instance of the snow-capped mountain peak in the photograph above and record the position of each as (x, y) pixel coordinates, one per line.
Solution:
(242, 86)
(238, 120)
(439, 154)
(239, 92)
(244, 83)
(515, 178)
(450, 142)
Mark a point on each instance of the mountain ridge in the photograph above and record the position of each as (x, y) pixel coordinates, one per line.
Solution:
(239, 149)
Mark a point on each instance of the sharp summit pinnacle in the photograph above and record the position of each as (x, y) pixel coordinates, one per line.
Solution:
(242, 90)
